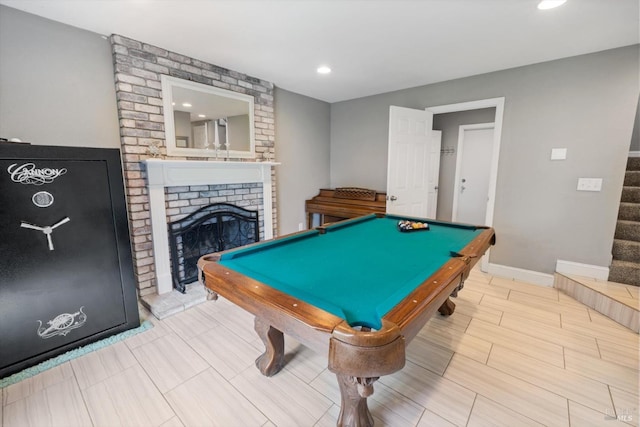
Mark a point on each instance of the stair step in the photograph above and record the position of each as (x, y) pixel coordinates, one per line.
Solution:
(630, 194)
(627, 230)
(625, 272)
(633, 164)
(632, 178)
(626, 250)
(629, 211)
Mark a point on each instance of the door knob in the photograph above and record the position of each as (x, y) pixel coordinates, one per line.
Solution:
(392, 198)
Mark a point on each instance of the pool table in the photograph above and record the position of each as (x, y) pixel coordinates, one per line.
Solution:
(358, 290)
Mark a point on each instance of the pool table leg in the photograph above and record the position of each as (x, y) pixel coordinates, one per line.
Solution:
(354, 411)
(447, 308)
(272, 360)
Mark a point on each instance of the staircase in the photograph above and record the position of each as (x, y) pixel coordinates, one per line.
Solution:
(625, 267)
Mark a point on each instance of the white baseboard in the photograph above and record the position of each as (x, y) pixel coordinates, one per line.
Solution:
(584, 270)
(528, 276)
(634, 153)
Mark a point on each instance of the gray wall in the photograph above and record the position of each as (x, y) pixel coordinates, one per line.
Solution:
(449, 124)
(586, 104)
(302, 146)
(56, 83)
(635, 138)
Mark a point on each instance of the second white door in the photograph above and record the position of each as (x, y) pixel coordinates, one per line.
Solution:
(473, 165)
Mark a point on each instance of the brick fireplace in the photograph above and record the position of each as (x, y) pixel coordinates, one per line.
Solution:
(138, 69)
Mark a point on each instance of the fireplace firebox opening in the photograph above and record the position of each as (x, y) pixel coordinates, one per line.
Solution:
(213, 228)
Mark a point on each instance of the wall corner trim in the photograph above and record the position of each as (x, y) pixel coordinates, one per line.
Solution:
(585, 270)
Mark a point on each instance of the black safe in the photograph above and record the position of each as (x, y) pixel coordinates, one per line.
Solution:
(66, 270)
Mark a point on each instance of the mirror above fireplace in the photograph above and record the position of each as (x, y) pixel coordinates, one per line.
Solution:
(205, 121)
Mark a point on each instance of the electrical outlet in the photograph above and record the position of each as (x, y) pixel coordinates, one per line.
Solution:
(589, 184)
(300, 226)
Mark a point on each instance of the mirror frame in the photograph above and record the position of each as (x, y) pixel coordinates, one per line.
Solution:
(168, 83)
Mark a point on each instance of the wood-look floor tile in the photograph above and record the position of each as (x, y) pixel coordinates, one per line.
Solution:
(431, 356)
(552, 334)
(431, 419)
(568, 300)
(169, 361)
(519, 396)
(37, 383)
(457, 320)
(223, 350)
(127, 399)
(284, 398)
(615, 375)
(99, 365)
(626, 355)
(190, 323)
(435, 393)
(208, 400)
(392, 408)
(239, 321)
(477, 275)
(626, 403)
(302, 361)
(572, 385)
(486, 289)
(553, 306)
(582, 416)
(160, 329)
(609, 331)
(456, 341)
(469, 295)
(472, 310)
(535, 347)
(173, 422)
(536, 290)
(522, 310)
(487, 413)
(60, 404)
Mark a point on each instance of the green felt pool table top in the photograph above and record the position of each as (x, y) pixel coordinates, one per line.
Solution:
(358, 270)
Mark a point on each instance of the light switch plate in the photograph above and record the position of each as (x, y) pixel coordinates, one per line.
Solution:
(558, 153)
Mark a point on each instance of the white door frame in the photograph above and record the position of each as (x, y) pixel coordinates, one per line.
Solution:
(498, 104)
(459, 152)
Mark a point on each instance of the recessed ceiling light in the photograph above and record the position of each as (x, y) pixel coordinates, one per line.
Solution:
(186, 104)
(201, 115)
(323, 70)
(550, 4)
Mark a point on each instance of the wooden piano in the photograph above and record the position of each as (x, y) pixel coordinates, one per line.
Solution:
(344, 202)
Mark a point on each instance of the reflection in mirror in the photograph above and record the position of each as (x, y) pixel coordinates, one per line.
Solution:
(204, 121)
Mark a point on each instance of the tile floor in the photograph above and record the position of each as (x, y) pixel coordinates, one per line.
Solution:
(513, 354)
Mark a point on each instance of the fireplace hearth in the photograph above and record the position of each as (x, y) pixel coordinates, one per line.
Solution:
(213, 228)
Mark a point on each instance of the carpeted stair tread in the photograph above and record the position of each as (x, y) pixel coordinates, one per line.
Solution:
(632, 178)
(626, 250)
(629, 211)
(625, 272)
(627, 230)
(633, 164)
(630, 194)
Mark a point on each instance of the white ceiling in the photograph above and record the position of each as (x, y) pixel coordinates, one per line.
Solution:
(373, 46)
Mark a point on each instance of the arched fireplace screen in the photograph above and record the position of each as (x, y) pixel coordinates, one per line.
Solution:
(213, 228)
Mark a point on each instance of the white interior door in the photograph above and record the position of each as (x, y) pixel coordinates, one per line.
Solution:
(474, 154)
(414, 161)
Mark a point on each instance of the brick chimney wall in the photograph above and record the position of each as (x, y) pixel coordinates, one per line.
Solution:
(138, 68)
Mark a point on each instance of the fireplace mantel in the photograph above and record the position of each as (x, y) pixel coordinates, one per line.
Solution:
(170, 173)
